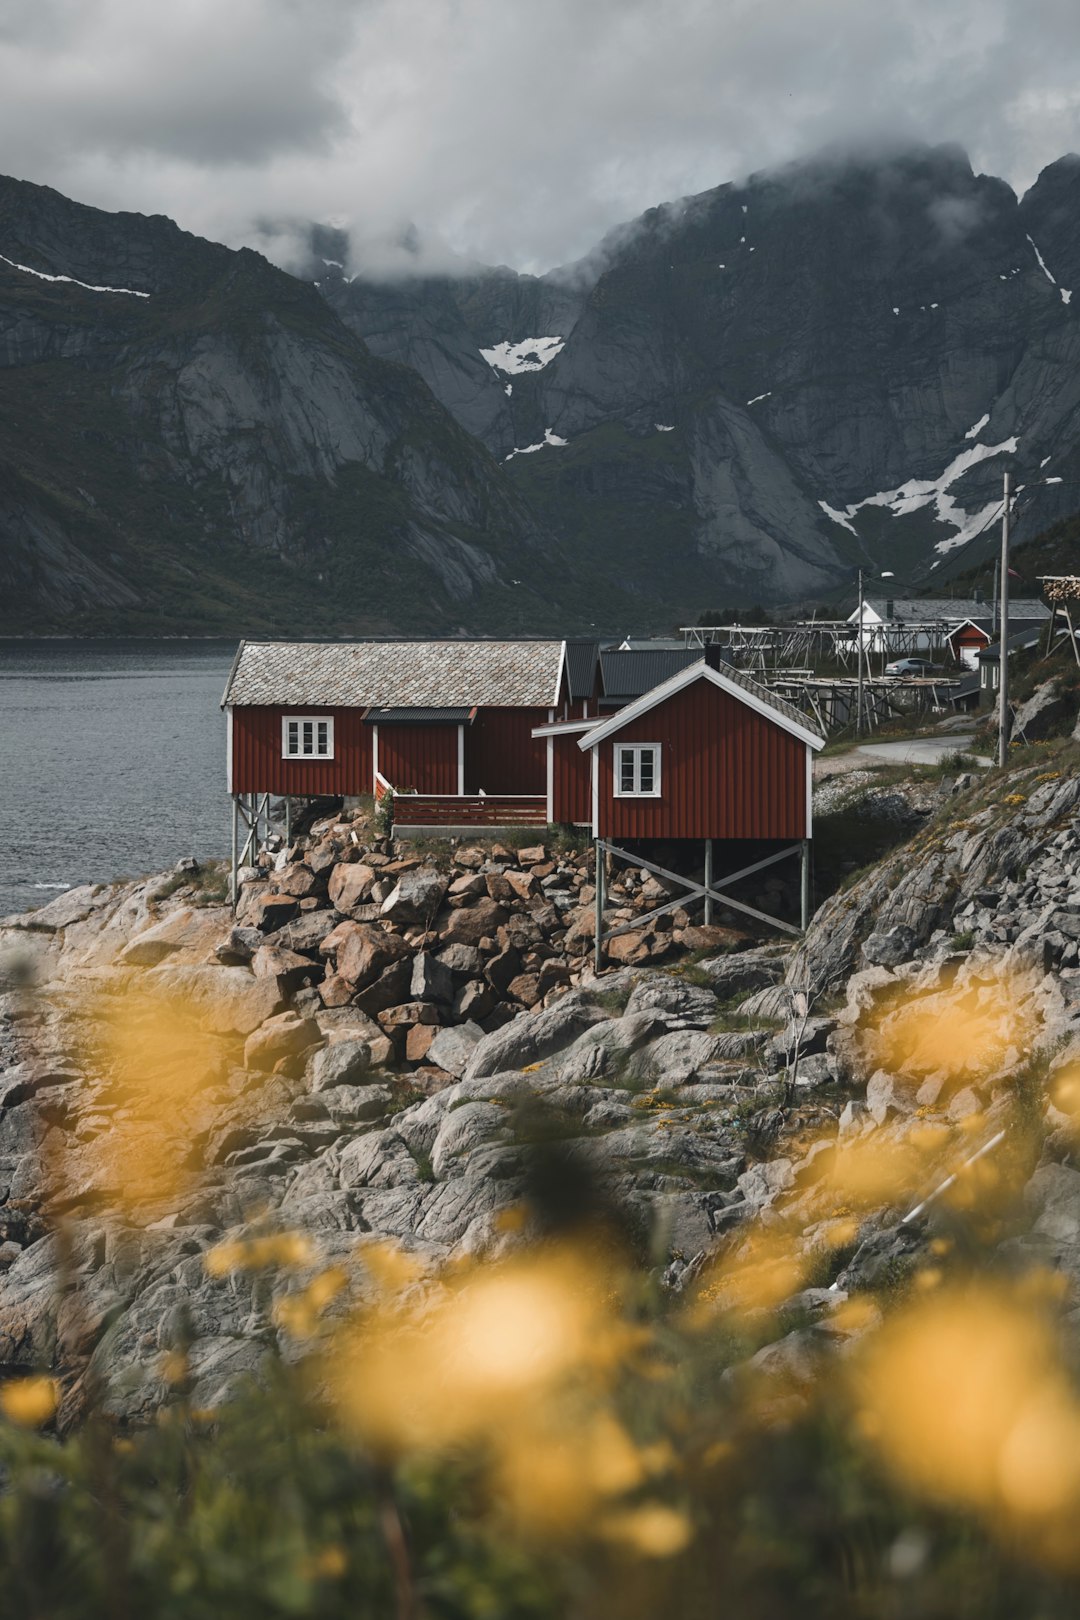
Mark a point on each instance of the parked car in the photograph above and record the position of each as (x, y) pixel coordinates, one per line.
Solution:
(911, 666)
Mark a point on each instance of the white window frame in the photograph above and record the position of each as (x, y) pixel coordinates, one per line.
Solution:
(300, 720)
(636, 749)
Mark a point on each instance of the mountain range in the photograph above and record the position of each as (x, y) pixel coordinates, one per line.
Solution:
(736, 398)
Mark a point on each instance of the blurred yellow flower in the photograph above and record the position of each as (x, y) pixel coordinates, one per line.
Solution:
(652, 1530)
(959, 1033)
(157, 1059)
(965, 1398)
(29, 1402)
(284, 1249)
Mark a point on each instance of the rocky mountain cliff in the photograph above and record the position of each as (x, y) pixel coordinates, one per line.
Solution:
(735, 398)
(191, 439)
(769, 381)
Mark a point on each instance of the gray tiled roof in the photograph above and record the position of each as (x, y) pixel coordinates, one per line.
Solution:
(396, 674)
(928, 609)
(766, 695)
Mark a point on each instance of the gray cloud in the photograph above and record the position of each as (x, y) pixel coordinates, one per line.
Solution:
(506, 131)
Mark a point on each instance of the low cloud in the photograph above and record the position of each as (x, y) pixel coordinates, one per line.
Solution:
(495, 130)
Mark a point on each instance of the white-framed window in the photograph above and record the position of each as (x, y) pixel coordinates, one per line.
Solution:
(637, 770)
(307, 736)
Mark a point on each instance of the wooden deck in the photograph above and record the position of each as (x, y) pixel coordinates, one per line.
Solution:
(469, 810)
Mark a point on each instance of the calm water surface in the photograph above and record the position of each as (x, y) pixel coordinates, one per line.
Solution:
(112, 761)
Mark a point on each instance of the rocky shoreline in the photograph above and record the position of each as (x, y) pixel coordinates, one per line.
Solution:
(393, 1045)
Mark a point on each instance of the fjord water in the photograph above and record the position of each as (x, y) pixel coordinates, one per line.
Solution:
(112, 761)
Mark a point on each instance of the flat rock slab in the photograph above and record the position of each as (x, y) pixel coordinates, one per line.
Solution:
(224, 1000)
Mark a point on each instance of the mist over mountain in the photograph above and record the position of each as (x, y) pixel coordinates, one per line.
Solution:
(735, 398)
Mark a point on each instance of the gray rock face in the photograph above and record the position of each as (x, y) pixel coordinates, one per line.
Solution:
(530, 1040)
(263, 410)
(345, 1063)
(969, 884)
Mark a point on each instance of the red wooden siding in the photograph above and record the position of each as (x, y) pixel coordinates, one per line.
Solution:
(726, 772)
(571, 780)
(257, 765)
(501, 755)
(423, 759)
(421, 810)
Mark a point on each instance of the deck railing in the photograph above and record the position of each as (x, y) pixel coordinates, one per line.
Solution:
(470, 810)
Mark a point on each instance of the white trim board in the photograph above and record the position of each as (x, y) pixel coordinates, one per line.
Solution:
(562, 728)
(676, 683)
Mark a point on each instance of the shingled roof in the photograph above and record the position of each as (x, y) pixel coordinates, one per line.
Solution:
(396, 674)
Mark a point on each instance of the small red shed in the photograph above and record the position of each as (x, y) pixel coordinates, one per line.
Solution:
(967, 641)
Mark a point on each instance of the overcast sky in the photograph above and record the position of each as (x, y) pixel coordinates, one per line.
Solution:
(514, 131)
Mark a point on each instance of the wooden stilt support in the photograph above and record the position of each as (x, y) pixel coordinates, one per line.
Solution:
(601, 887)
(708, 883)
(235, 849)
(1072, 633)
(805, 901)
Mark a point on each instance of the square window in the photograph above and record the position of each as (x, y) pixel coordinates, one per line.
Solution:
(307, 736)
(637, 770)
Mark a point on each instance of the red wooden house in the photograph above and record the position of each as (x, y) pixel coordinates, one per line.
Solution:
(707, 755)
(444, 725)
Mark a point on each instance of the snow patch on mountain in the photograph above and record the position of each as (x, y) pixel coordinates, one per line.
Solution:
(549, 438)
(128, 292)
(531, 354)
(921, 492)
(977, 427)
(1065, 292)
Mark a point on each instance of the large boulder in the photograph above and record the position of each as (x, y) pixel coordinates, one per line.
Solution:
(468, 925)
(388, 990)
(366, 951)
(284, 1036)
(743, 971)
(264, 910)
(890, 948)
(289, 968)
(432, 980)
(345, 1063)
(417, 897)
(1042, 714)
(295, 879)
(350, 885)
(452, 1049)
(306, 932)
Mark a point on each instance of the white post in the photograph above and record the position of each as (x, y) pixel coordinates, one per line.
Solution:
(859, 711)
(235, 842)
(1003, 649)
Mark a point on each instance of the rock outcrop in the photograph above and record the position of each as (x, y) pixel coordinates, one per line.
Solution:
(699, 1108)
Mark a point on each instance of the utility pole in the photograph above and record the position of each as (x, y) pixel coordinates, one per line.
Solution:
(859, 656)
(1003, 650)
